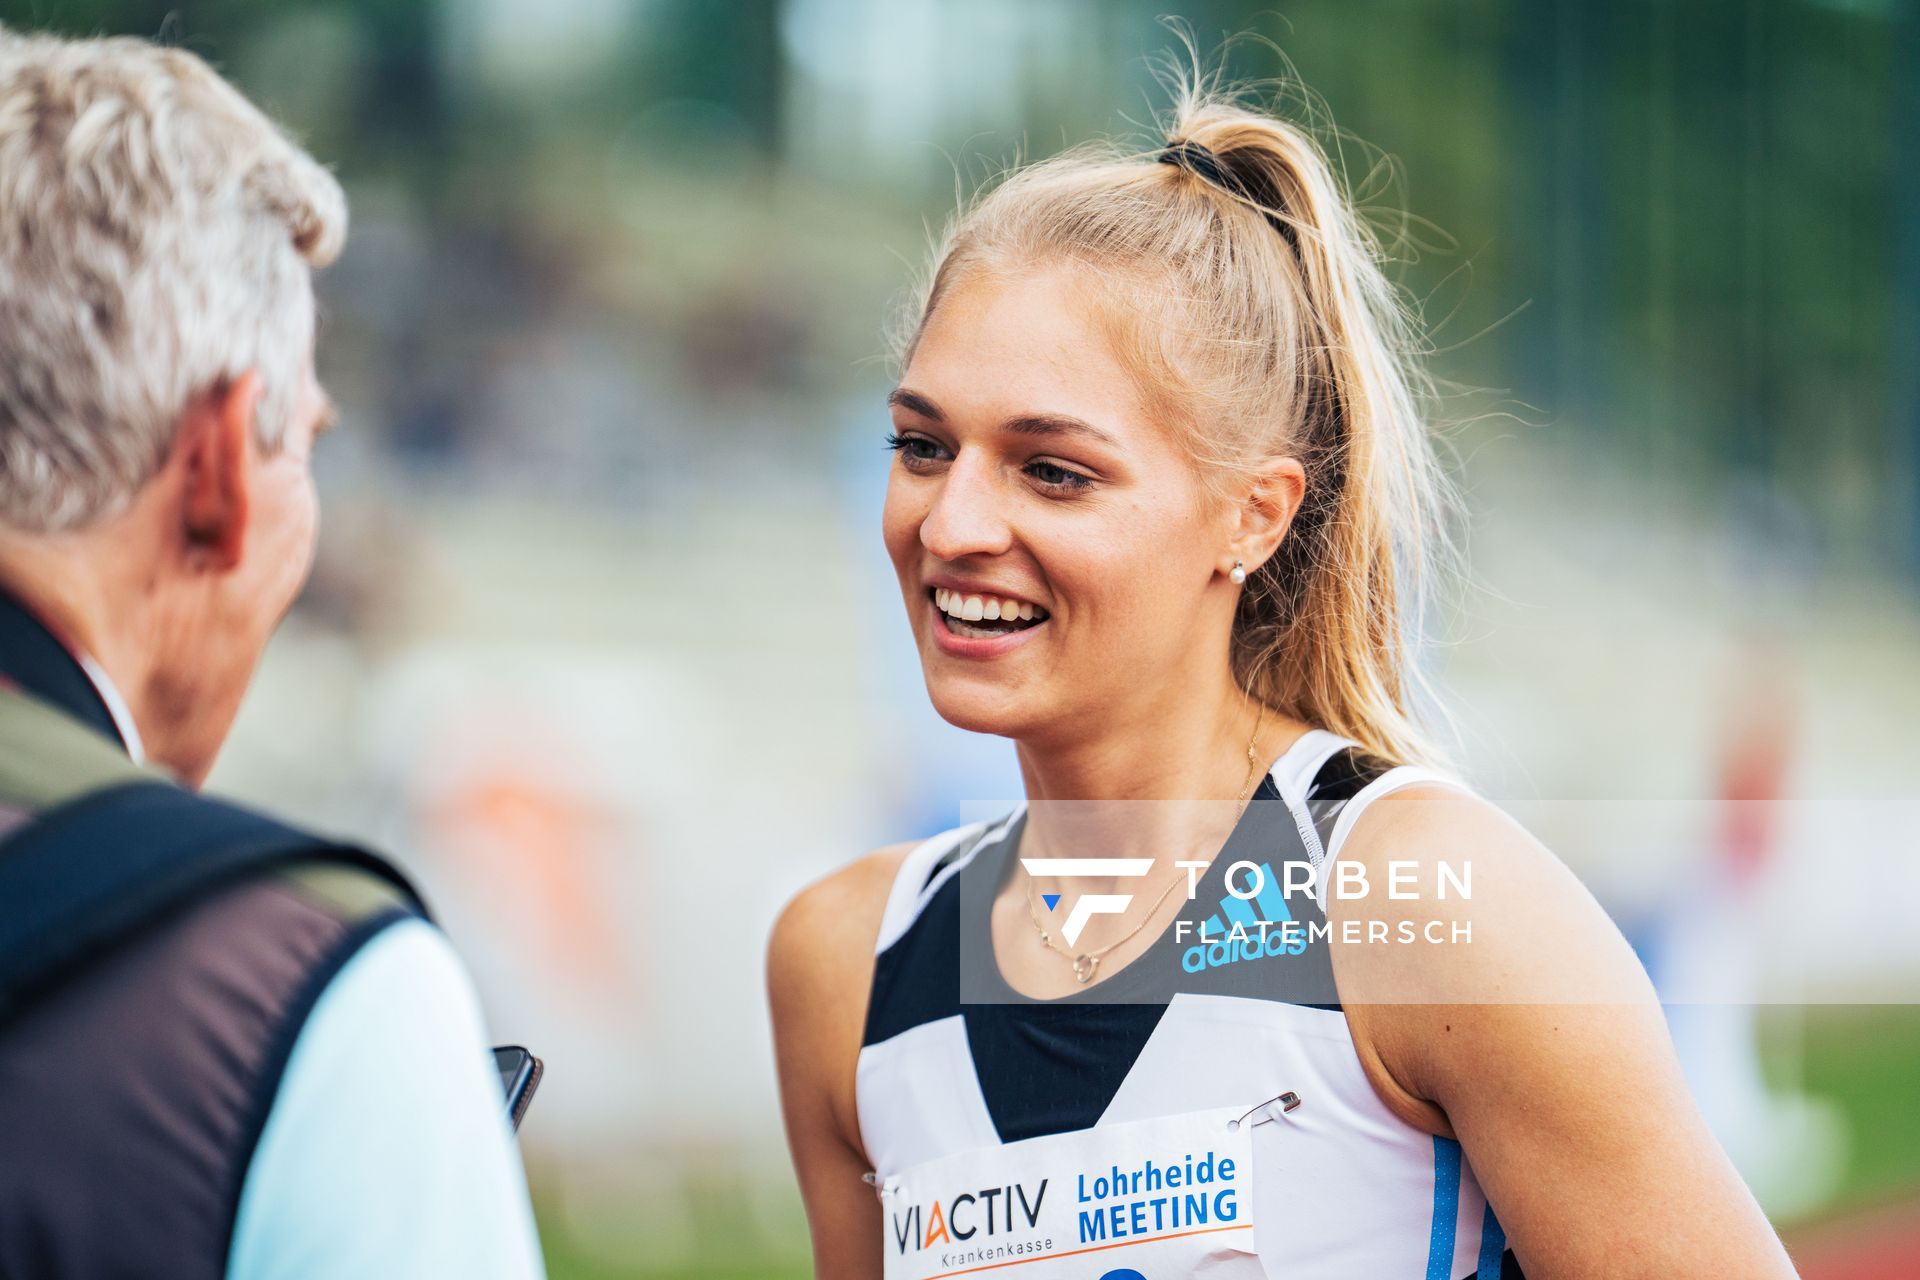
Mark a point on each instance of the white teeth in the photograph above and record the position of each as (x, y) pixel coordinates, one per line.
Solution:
(984, 608)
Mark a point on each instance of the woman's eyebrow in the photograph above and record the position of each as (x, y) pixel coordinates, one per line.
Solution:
(1022, 425)
(1026, 424)
(914, 402)
(1056, 424)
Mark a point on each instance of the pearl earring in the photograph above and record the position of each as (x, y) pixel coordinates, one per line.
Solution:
(1238, 574)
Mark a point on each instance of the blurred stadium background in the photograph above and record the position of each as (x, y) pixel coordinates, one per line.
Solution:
(603, 643)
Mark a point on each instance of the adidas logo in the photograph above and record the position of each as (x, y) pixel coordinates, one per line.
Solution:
(1247, 929)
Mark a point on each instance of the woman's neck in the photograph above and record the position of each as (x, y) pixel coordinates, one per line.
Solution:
(1164, 778)
(1185, 744)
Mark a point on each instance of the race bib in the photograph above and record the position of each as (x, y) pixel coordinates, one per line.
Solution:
(1146, 1200)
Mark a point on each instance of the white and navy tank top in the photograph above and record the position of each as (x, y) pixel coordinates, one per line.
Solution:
(954, 1060)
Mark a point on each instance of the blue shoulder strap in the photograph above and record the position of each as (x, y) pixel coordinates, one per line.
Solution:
(88, 872)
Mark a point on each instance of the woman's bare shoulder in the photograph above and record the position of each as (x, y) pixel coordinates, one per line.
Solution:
(1494, 923)
(819, 969)
(1519, 1029)
(836, 919)
(822, 944)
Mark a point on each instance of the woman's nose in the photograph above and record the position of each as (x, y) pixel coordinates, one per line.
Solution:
(968, 516)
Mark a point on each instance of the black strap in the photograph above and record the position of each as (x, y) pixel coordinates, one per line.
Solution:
(87, 873)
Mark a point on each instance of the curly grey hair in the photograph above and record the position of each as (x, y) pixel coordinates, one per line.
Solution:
(157, 236)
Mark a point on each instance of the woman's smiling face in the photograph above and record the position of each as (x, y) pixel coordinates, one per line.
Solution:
(1030, 481)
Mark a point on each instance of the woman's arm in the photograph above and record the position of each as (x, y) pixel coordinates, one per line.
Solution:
(1541, 1046)
(819, 969)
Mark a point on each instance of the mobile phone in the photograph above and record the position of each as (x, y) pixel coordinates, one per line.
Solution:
(520, 1075)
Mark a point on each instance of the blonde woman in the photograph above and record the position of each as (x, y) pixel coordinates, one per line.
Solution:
(1161, 502)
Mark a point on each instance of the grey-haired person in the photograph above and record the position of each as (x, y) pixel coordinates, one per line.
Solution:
(286, 1076)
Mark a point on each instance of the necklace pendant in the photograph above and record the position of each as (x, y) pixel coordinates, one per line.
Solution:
(1083, 967)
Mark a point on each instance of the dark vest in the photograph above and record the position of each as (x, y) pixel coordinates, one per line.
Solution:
(133, 1092)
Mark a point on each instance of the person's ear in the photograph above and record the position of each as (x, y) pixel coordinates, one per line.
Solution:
(1264, 510)
(216, 437)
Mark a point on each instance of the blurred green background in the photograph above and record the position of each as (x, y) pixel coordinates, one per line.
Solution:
(602, 629)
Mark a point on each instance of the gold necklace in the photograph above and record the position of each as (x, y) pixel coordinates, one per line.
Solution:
(1086, 962)
(1247, 783)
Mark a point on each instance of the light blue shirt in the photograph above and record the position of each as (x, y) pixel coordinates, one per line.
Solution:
(388, 1151)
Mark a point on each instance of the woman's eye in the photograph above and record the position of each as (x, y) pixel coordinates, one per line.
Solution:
(918, 452)
(1054, 476)
(914, 448)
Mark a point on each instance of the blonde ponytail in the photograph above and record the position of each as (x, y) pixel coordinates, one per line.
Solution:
(1249, 297)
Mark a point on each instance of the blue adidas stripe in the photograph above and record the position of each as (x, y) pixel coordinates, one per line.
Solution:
(1272, 902)
(1446, 1208)
(1273, 907)
(1493, 1246)
(1241, 914)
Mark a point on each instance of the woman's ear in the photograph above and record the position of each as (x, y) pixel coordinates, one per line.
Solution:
(1264, 509)
(215, 445)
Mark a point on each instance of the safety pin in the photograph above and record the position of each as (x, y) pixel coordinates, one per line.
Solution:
(1288, 1101)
